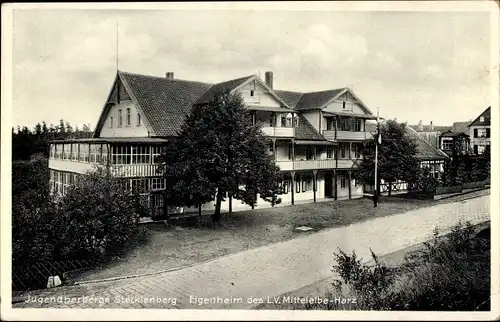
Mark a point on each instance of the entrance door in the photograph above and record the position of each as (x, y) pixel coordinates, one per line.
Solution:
(328, 185)
(157, 206)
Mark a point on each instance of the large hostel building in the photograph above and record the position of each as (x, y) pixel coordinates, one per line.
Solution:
(315, 137)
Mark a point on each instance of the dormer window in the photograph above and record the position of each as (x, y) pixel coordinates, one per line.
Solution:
(343, 105)
(252, 93)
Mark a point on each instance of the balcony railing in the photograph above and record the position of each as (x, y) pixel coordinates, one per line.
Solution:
(134, 170)
(288, 132)
(306, 164)
(348, 163)
(346, 135)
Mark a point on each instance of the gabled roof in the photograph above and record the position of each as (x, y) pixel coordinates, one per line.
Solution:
(487, 118)
(164, 103)
(305, 131)
(453, 134)
(229, 86)
(291, 98)
(317, 99)
(427, 128)
(425, 151)
(460, 126)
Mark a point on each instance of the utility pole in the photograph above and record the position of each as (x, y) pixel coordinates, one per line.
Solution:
(377, 142)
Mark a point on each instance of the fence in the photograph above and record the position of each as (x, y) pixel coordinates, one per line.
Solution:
(35, 275)
(441, 190)
(475, 185)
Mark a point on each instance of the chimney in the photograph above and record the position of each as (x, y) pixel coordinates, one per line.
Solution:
(431, 126)
(169, 75)
(269, 79)
(420, 126)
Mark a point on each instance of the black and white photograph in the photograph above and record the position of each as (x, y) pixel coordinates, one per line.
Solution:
(249, 161)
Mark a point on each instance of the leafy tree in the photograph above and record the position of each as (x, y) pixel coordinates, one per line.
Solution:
(396, 156)
(219, 152)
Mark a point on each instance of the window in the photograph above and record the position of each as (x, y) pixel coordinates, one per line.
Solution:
(140, 154)
(357, 125)
(120, 118)
(157, 183)
(481, 133)
(481, 119)
(128, 117)
(447, 145)
(344, 150)
(343, 105)
(309, 153)
(290, 151)
(138, 119)
(252, 93)
(57, 151)
(297, 185)
(329, 124)
(487, 133)
(271, 150)
(84, 152)
(329, 152)
(480, 149)
(66, 151)
(104, 154)
(121, 154)
(111, 122)
(74, 151)
(286, 187)
(155, 153)
(306, 184)
(296, 121)
(356, 147)
(140, 186)
(343, 181)
(272, 119)
(52, 151)
(93, 153)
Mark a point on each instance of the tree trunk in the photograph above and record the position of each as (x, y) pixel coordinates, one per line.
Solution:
(389, 188)
(199, 211)
(216, 216)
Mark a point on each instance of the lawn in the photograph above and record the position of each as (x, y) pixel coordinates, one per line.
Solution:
(174, 247)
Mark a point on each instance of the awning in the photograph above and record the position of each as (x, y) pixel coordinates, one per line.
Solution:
(313, 142)
(269, 108)
(361, 116)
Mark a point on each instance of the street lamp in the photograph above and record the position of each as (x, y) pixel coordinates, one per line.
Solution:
(378, 140)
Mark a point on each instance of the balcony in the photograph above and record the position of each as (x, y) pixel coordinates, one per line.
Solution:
(348, 164)
(134, 170)
(306, 164)
(287, 132)
(346, 135)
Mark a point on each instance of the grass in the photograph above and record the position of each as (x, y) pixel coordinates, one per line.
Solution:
(172, 247)
(436, 276)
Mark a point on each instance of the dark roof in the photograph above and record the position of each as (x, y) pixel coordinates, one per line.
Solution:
(427, 128)
(453, 134)
(291, 98)
(222, 87)
(317, 99)
(487, 118)
(165, 103)
(425, 151)
(305, 131)
(460, 126)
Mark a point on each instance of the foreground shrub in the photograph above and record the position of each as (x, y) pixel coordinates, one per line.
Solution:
(96, 217)
(450, 273)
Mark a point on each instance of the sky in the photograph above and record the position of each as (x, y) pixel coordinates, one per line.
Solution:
(429, 66)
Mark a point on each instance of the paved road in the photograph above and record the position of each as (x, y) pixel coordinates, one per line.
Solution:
(244, 279)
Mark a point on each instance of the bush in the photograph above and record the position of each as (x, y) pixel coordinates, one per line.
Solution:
(96, 217)
(450, 273)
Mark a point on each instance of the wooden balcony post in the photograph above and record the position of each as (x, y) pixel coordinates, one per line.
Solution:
(274, 150)
(292, 174)
(315, 183)
(350, 183)
(335, 184)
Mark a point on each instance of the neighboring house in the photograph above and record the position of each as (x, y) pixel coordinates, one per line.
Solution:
(315, 137)
(429, 157)
(454, 143)
(461, 127)
(480, 132)
(430, 132)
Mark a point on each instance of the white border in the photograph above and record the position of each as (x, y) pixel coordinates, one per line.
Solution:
(8, 313)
